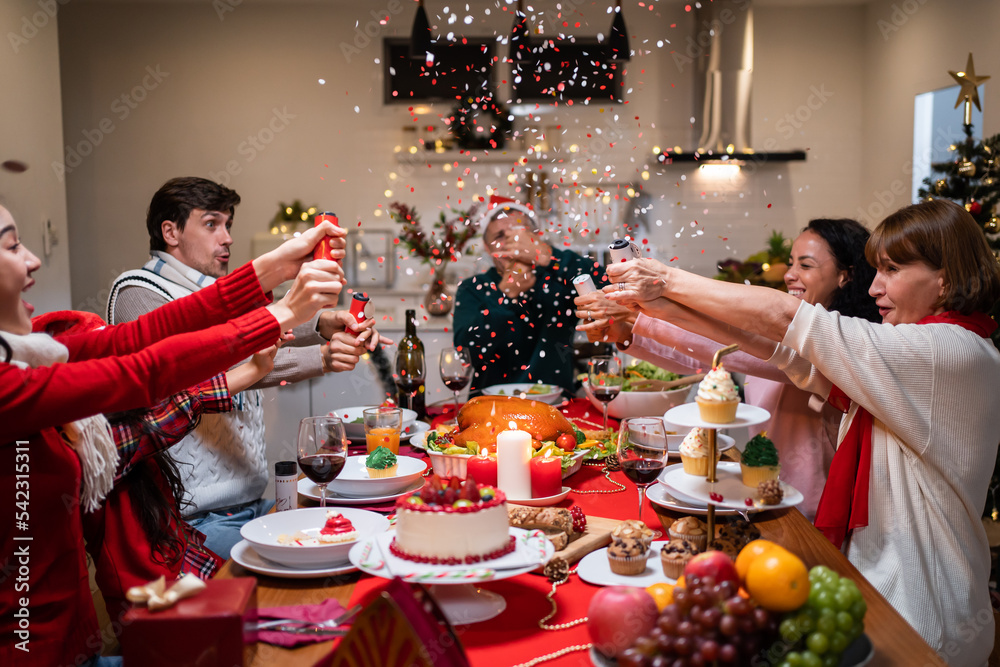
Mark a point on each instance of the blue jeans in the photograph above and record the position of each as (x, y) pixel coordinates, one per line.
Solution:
(104, 661)
(221, 527)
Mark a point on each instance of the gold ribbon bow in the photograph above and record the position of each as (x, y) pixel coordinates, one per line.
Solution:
(155, 595)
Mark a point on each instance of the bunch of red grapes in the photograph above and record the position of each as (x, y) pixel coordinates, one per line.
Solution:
(707, 623)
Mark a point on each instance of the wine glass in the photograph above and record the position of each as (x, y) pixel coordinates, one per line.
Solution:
(322, 451)
(456, 370)
(605, 380)
(409, 371)
(642, 451)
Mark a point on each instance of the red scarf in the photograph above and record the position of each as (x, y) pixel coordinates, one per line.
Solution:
(844, 503)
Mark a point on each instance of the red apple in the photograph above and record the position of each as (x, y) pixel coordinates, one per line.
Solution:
(713, 564)
(618, 615)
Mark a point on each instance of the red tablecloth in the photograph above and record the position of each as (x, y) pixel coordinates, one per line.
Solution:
(514, 637)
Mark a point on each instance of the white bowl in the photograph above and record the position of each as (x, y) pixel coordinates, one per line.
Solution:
(262, 534)
(356, 429)
(450, 465)
(354, 480)
(552, 395)
(640, 403)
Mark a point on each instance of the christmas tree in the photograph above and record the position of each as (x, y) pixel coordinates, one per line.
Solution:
(972, 177)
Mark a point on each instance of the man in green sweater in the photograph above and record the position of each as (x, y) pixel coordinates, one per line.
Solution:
(517, 318)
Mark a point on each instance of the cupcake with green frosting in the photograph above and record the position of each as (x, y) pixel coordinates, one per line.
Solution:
(760, 461)
(381, 463)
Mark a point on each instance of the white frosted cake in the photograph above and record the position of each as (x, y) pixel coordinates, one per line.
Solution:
(451, 525)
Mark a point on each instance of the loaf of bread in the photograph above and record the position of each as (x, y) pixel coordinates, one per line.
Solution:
(555, 522)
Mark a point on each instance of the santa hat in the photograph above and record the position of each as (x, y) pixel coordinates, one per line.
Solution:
(503, 206)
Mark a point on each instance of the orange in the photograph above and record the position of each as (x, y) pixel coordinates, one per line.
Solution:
(680, 582)
(662, 593)
(749, 553)
(778, 580)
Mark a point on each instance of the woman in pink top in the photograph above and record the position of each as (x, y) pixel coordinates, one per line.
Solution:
(827, 267)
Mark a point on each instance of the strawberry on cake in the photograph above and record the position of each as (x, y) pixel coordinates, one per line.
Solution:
(338, 528)
(451, 524)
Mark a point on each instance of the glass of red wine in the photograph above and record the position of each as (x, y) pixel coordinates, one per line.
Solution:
(605, 380)
(322, 451)
(642, 451)
(456, 370)
(409, 371)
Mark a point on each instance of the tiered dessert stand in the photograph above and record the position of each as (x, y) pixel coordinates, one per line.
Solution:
(687, 416)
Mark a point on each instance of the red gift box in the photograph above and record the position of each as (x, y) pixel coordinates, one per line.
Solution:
(204, 630)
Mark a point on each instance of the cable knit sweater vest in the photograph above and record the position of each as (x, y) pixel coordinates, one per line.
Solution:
(223, 462)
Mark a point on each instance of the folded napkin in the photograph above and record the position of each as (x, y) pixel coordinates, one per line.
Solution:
(312, 613)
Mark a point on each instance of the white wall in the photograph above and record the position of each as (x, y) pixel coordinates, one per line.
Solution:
(910, 46)
(31, 132)
(222, 79)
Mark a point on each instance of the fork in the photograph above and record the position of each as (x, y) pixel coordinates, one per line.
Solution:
(294, 625)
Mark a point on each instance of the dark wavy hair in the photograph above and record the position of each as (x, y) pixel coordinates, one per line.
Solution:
(846, 239)
(157, 494)
(176, 199)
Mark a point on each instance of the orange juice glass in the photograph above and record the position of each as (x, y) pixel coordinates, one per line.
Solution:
(383, 437)
(382, 428)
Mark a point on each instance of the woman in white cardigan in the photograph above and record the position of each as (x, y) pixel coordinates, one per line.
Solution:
(919, 438)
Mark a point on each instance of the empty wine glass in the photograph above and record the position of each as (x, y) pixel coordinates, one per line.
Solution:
(409, 371)
(322, 451)
(605, 380)
(642, 451)
(456, 370)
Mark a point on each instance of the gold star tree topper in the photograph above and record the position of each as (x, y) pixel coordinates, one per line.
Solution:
(969, 92)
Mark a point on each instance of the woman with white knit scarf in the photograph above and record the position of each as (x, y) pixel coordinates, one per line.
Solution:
(57, 457)
(918, 440)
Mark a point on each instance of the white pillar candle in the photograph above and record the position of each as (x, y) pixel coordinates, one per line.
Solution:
(513, 457)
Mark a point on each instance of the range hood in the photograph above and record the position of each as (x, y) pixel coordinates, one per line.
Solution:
(722, 83)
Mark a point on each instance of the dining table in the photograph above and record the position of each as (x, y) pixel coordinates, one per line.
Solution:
(516, 636)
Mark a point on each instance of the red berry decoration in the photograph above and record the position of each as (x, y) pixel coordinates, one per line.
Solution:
(455, 484)
(579, 519)
(470, 491)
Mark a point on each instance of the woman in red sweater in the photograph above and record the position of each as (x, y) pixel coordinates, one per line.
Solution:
(54, 446)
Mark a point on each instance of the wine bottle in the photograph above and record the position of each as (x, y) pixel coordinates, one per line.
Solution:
(410, 369)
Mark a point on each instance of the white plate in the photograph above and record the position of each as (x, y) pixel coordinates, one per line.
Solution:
(729, 491)
(310, 490)
(353, 480)
(416, 428)
(722, 443)
(532, 550)
(520, 389)
(262, 533)
(688, 416)
(357, 430)
(244, 555)
(542, 502)
(595, 569)
(660, 495)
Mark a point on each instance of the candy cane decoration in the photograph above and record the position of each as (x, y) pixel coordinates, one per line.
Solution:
(479, 574)
(365, 553)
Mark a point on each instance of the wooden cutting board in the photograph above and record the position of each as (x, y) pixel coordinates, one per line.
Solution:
(597, 535)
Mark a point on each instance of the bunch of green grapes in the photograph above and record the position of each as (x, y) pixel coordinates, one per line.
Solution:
(820, 630)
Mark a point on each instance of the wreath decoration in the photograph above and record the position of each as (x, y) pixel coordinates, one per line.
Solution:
(480, 123)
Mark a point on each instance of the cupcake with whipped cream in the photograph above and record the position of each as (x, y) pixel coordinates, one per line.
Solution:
(717, 397)
(694, 452)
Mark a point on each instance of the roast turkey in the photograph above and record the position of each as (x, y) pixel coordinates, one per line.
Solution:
(481, 418)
